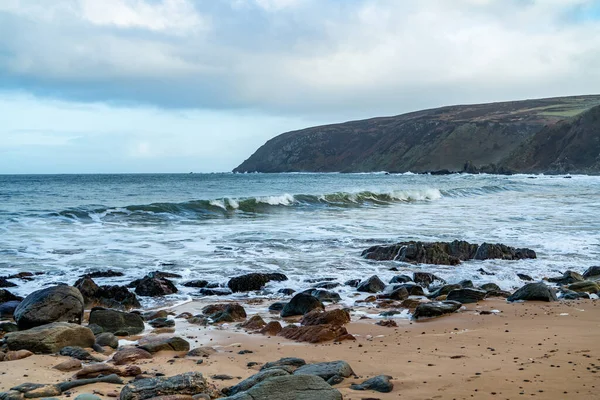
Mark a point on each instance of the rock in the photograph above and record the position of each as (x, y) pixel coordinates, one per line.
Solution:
(129, 355)
(69, 365)
(387, 323)
(118, 297)
(7, 309)
(466, 283)
(534, 291)
(401, 279)
(291, 387)
(488, 251)
(190, 383)
(114, 321)
(109, 273)
(435, 309)
(161, 323)
(214, 292)
(488, 287)
(498, 293)
(335, 380)
(87, 396)
(425, 279)
(301, 304)
(227, 312)
(95, 370)
(107, 339)
(571, 295)
(293, 362)
(313, 333)
(7, 327)
(254, 380)
(324, 295)
(17, 355)
(76, 352)
(371, 285)
(466, 295)
(444, 290)
(50, 338)
(254, 324)
(54, 304)
(154, 286)
(286, 291)
(410, 303)
(379, 383)
(153, 344)
(333, 317)
(201, 352)
(200, 283)
(484, 272)
(326, 370)
(399, 293)
(277, 306)
(40, 391)
(271, 329)
(525, 277)
(352, 283)
(326, 285)
(6, 296)
(4, 283)
(591, 272)
(113, 378)
(567, 278)
(254, 281)
(585, 286)
(411, 288)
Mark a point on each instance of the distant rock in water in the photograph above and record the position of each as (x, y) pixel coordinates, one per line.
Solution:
(518, 136)
(445, 253)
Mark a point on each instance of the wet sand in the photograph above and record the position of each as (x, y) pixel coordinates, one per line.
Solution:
(539, 350)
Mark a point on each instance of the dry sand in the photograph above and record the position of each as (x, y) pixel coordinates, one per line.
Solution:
(539, 350)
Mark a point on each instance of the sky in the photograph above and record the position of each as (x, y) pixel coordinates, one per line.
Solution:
(119, 86)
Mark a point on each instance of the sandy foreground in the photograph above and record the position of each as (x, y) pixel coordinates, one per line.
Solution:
(540, 350)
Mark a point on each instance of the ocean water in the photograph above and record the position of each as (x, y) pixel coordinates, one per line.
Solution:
(215, 226)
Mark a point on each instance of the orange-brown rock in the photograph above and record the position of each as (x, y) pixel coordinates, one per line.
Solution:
(95, 370)
(255, 323)
(69, 365)
(410, 303)
(333, 317)
(313, 333)
(17, 355)
(271, 329)
(130, 355)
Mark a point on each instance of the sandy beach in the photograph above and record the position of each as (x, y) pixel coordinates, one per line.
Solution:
(545, 350)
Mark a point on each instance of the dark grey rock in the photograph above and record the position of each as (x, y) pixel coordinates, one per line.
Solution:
(301, 304)
(592, 272)
(284, 362)
(534, 291)
(401, 279)
(326, 370)
(291, 387)
(190, 383)
(324, 295)
(467, 283)
(379, 383)
(488, 287)
(76, 352)
(107, 339)
(352, 282)
(435, 309)
(153, 286)
(161, 323)
(524, 277)
(371, 285)
(7, 310)
(117, 321)
(199, 283)
(277, 306)
(567, 278)
(214, 292)
(6, 296)
(254, 380)
(286, 291)
(48, 339)
(253, 282)
(444, 290)
(466, 295)
(425, 279)
(54, 304)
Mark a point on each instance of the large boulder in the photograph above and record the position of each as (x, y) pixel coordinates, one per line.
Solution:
(254, 380)
(371, 285)
(118, 297)
(164, 342)
(534, 291)
(489, 251)
(324, 295)
(466, 295)
(54, 304)
(226, 312)
(592, 273)
(114, 321)
(254, 281)
(313, 333)
(326, 370)
(190, 383)
(425, 279)
(301, 304)
(585, 286)
(47, 339)
(291, 387)
(567, 278)
(444, 290)
(435, 309)
(285, 362)
(333, 317)
(154, 285)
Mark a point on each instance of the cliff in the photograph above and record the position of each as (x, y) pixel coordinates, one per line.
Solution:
(429, 140)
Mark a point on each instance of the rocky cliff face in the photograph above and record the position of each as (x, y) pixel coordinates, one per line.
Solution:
(571, 146)
(430, 140)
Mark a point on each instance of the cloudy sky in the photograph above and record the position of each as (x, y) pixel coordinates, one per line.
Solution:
(197, 85)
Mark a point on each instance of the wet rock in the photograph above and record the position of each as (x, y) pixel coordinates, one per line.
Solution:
(154, 286)
(488, 251)
(7, 327)
(592, 272)
(6, 296)
(271, 329)
(326, 370)
(371, 285)
(77, 352)
(254, 324)
(335, 380)
(387, 323)
(401, 279)
(410, 303)
(118, 297)
(572, 295)
(190, 383)
(525, 277)
(129, 355)
(352, 283)
(399, 293)
(286, 291)
(226, 312)
(4, 283)
(109, 273)
(153, 344)
(301, 304)
(498, 293)
(254, 281)
(326, 285)
(290, 387)
(293, 362)
(277, 306)
(53, 304)
(411, 288)
(567, 278)
(488, 287)
(324, 295)
(443, 291)
(114, 321)
(50, 338)
(199, 283)
(435, 309)
(254, 380)
(466, 295)
(87, 396)
(7, 310)
(214, 292)
(532, 292)
(161, 323)
(313, 333)
(484, 272)
(585, 286)
(467, 283)
(425, 279)
(333, 317)
(379, 383)
(95, 370)
(69, 365)
(201, 352)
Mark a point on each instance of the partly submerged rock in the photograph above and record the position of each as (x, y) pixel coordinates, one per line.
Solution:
(592, 273)
(153, 286)
(371, 285)
(254, 281)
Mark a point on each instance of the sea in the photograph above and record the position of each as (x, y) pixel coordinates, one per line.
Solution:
(307, 226)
